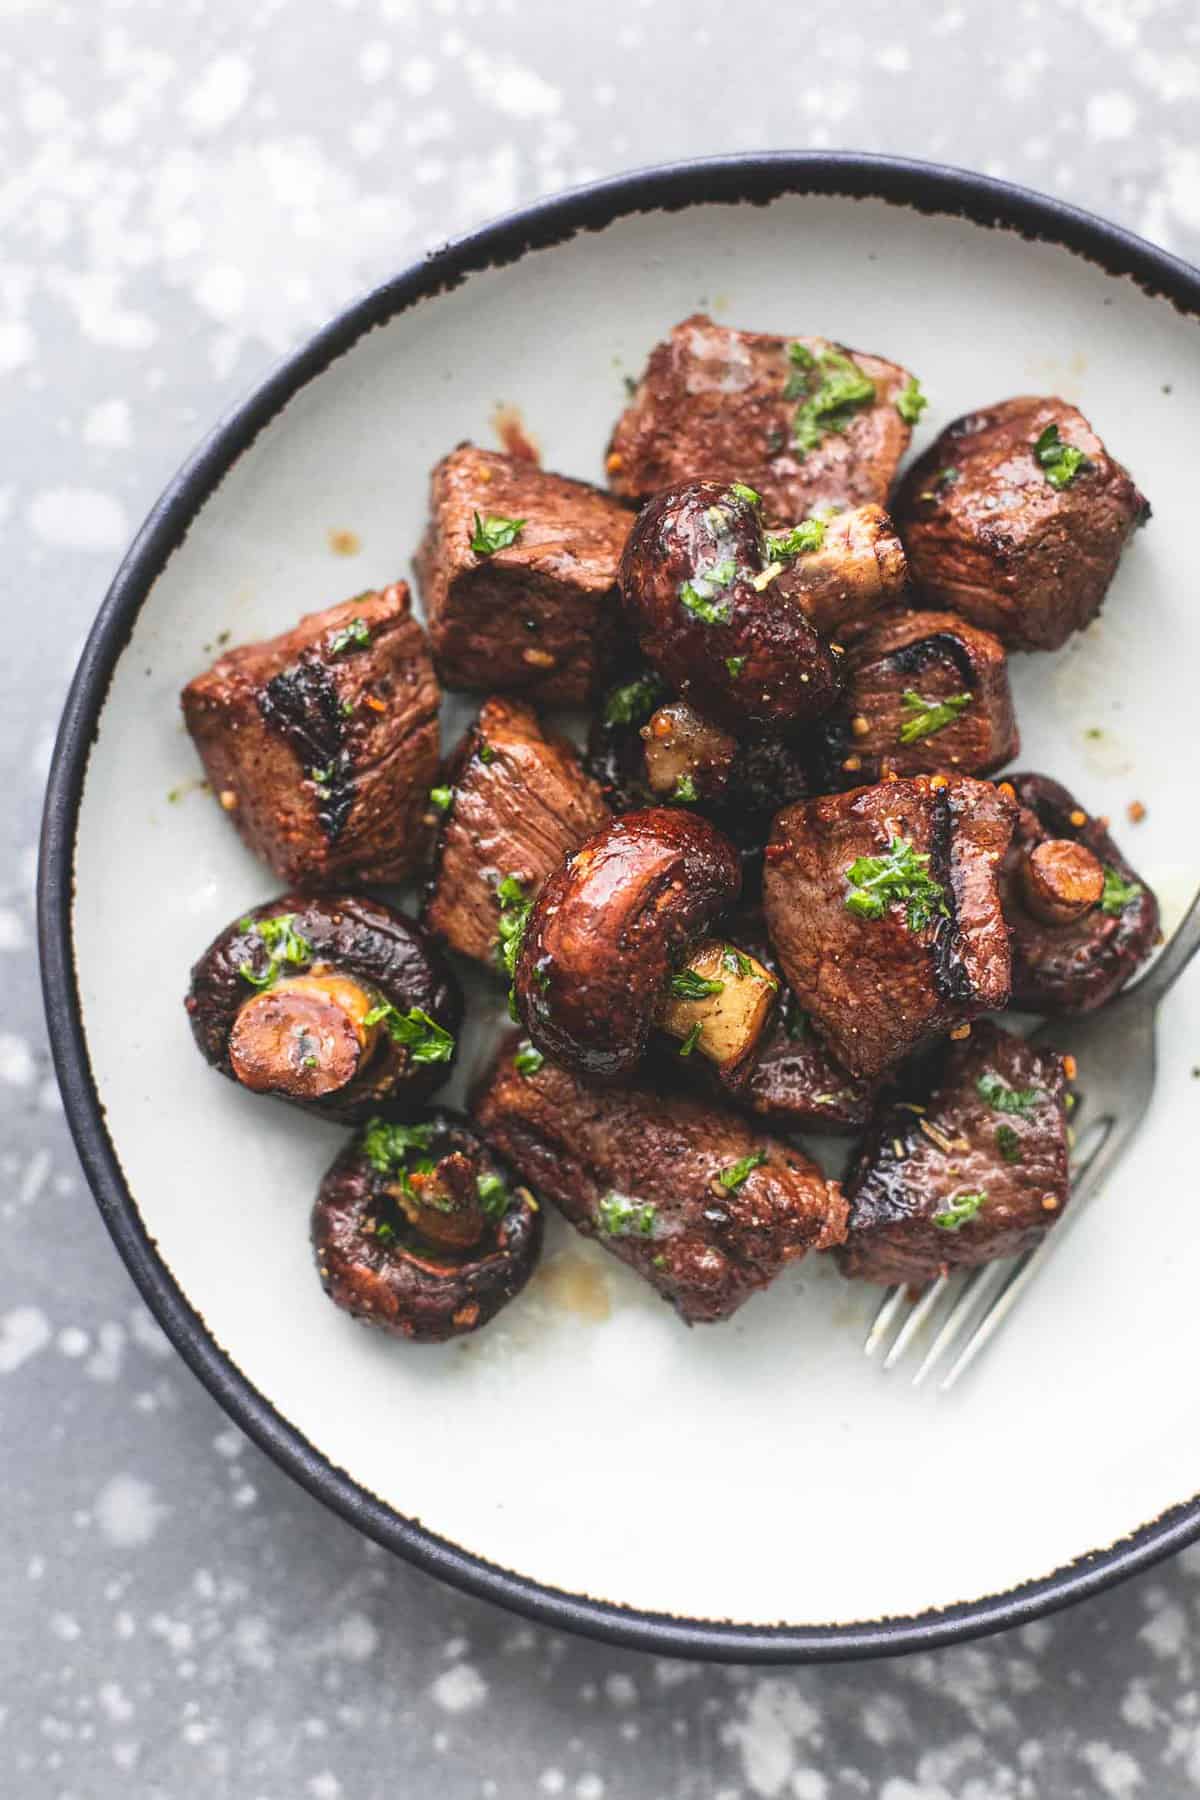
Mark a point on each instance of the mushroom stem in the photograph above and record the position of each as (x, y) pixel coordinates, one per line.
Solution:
(730, 1019)
(443, 1201)
(681, 747)
(1061, 880)
(304, 1037)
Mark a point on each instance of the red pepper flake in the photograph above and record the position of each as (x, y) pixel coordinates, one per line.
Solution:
(1070, 1067)
(1136, 811)
(374, 702)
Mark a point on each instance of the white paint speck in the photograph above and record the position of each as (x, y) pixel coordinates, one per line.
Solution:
(78, 519)
(23, 1332)
(520, 93)
(1110, 116)
(589, 1787)
(552, 1781)
(16, 1060)
(17, 345)
(105, 1362)
(374, 60)
(418, 75)
(355, 1638)
(325, 1786)
(894, 59)
(107, 426)
(115, 1703)
(621, 1689)
(65, 1627)
(73, 1342)
(809, 1784)
(459, 1689)
(1115, 1770)
(777, 1718)
(12, 930)
(219, 95)
(128, 1511)
(1166, 1632)
(222, 291)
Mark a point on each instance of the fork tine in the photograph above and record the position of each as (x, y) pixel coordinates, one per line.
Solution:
(892, 1301)
(916, 1319)
(975, 1288)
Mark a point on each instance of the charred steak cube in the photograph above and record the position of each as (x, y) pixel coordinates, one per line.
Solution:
(518, 572)
(884, 909)
(1082, 920)
(974, 1170)
(321, 743)
(803, 421)
(513, 802)
(1016, 518)
(704, 1207)
(924, 691)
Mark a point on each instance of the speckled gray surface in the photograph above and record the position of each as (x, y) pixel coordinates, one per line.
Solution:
(186, 189)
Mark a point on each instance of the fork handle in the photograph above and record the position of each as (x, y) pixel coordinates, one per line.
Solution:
(1175, 957)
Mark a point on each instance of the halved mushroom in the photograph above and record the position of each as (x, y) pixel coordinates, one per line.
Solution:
(702, 585)
(338, 1004)
(422, 1230)
(620, 940)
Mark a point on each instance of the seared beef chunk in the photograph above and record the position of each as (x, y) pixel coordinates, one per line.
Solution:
(857, 568)
(790, 1080)
(705, 594)
(1082, 921)
(693, 1198)
(340, 1005)
(422, 1231)
(321, 743)
(1016, 518)
(970, 1172)
(518, 572)
(620, 930)
(924, 691)
(803, 420)
(514, 800)
(742, 798)
(884, 909)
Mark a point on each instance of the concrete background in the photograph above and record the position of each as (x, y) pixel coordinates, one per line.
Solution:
(186, 189)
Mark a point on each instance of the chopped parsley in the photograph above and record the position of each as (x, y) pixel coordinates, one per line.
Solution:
(1117, 894)
(803, 538)
(691, 1040)
(732, 1177)
(386, 1146)
(901, 874)
(1005, 1099)
(510, 930)
(492, 533)
(486, 753)
(685, 791)
(528, 1060)
(1008, 1143)
(284, 944)
(414, 1031)
(618, 1216)
(842, 390)
(354, 636)
(929, 716)
(699, 594)
(734, 666)
(1059, 462)
(736, 961)
(910, 401)
(494, 1197)
(442, 798)
(962, 1208)
(742, 492)
(633, 702)
(687, 985)
(803, 362)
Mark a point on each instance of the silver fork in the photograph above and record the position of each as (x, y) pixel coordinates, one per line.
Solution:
(1115, 1053)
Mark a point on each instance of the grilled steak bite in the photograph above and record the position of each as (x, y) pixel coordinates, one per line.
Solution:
(884, 910)
(974, 1170)
(924, 691)
(1081, 919)
(790, 1080)
(805, 421)
(422, 1231)
(694, 1199)
(513, 801)
(321, 743)
(1016, 518)
(518, 572)
(706, 596)
(620, 939)
(338, 1004)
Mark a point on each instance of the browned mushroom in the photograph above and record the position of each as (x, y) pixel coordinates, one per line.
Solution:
(337, 1004)
(702, 586)
(621, 939)
(422, 1230)
(1061, 880)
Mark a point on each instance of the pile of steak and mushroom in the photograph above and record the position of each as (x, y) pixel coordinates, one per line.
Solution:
(785, 886)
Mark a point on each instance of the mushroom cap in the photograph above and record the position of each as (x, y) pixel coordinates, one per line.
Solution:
(406, 1286)
(610, 927)
(368, 942)
(747, 657)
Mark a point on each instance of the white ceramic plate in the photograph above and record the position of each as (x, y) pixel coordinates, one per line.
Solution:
(754, 1489)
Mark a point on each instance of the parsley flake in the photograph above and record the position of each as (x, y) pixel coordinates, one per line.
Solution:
(731, 1178)
(901, 874)
(691, 1040)
(1118, 893)
(842, 391)
(284, 944)
(442, 798)
(494, 1197)
(354, 636)
(685, 791)
(634, 701)
(1008, 1143)
(687, 985)
(492, 533)
(528, 1059)
(386, 1146)
(803, 538)
(911, 402)
(929, 716)
(734, 666)
(414, 1031)
(961, 1209)
(619, 1216)
(742, 492)
(1059, 462)
(699, 595)
(1005, 1099)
